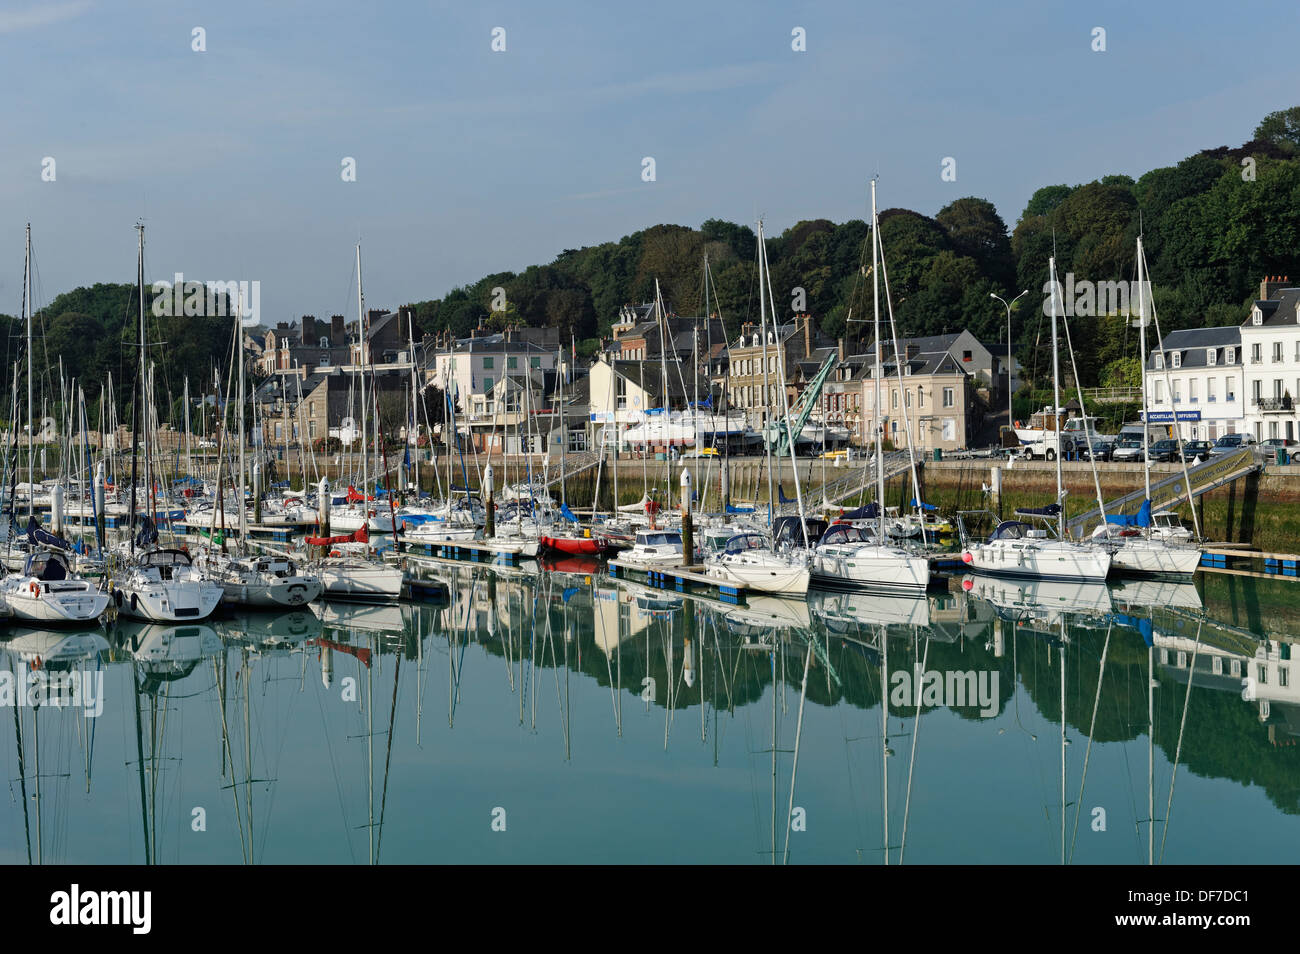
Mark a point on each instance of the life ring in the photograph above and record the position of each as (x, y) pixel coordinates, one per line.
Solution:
(1017, 424)
(35, 587)
(336, 553)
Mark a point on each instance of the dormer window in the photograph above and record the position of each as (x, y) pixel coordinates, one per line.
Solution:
(1210, 356)
(1160, 361)
(324, 342)
(1230, 355)
(1177, 359)
(1257, 317)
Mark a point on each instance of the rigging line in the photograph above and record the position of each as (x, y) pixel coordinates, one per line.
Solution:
(911, 762)
(1178, 751)
(334, 769)
(1087, 752)
(388, 755)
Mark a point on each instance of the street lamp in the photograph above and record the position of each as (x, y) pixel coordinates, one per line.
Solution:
(1010, 413)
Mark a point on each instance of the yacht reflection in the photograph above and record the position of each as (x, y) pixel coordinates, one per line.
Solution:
(272, 632)
(166, 652)
(1155, 593)
(56, 651)
(1042, 605)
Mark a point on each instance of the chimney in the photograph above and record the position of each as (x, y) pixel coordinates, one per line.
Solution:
(338, 331)
(807, 336)
(840, 348)
(1271, 285)
(307, 330)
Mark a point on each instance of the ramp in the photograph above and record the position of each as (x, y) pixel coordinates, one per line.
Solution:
(1171, 491)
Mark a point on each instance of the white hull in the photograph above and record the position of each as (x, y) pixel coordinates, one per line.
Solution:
(1154, 558)
(787, 579)
(1040, 559)
(360, 580)
(350, 519)
(870, 567)
(57, 603)
(173, 601)
(281, 594)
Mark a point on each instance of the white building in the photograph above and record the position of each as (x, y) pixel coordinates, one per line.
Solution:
(1270, 339)
(476, 365)
(1198, 377)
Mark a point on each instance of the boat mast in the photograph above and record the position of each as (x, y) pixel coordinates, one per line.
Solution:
(1142, 339)
(239, 485)
(762, 327)
(361, 337)
(880, 424)
(1056, 400)
(27, 307)
(143, 417)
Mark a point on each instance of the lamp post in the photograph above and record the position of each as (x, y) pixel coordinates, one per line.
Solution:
(1010, 413)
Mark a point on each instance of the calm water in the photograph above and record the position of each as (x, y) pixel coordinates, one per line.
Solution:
(598, 721)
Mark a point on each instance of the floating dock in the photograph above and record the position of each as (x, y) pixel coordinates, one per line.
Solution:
(682, 579)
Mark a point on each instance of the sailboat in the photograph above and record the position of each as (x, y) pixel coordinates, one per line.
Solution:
(159, 585)
(358, 577)
(267, 581)
(1016, 547)
(849, 557)
(751, 559)
(1139, 547)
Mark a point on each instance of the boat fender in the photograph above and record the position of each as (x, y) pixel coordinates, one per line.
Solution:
(117, 598)
(134, 600)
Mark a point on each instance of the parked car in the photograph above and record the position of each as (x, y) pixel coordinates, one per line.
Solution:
(1198, 451)
(1283, 442)
(1127, 449)
(1164, 452)
(207, 444)
(1231, 443)
(1100, 450)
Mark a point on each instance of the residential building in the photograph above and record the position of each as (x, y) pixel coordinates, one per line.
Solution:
(928, 395)
(1197, 378)
(1270, 339)
(756, 391)
(622, 392)
(472, 367)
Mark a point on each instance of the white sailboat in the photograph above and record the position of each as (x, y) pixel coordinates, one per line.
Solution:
(1140, 548)
(159, 585)
(47, 591)
(1017, 548)
(846, 557)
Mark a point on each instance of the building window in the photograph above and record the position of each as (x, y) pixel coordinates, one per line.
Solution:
(1160, 361)
(1230, 355)
(324, 359)
(1263, 674)
(487, 364)
(487, 385)
(965, 355)
(1277, 351)
(1256, 390)
(1210, 356)
(894, 399)
(1209, 390)
(1228, 392)
(949, 397)
(907, 397)
(311, 429)
(1191, 390)
(534, 362)
(620, 389)
(1177, 359)
(949, 429)
(324, 342)
(1160, 392)
(1256, 353)
(511, 363)
(1283, 680)
(1178, 391)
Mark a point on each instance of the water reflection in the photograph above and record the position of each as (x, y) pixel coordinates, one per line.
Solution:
(991, 722)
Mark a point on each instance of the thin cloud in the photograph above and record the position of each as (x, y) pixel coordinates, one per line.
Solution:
(43, 15)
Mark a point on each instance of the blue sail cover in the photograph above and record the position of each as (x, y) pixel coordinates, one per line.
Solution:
(868, 512)
(781, 492)
(148, 532)
(923, 506)
(37, 535)
(567, 514)
(1140, 519)
(731, 509)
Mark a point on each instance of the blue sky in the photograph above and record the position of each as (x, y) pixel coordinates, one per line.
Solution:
(471, 161)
